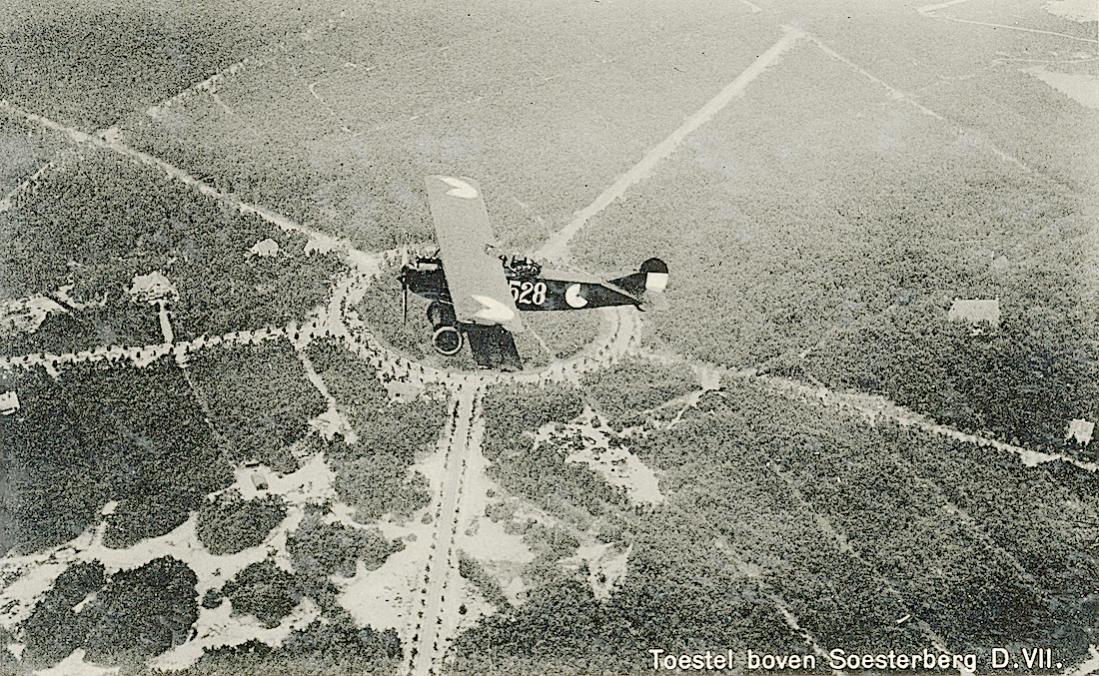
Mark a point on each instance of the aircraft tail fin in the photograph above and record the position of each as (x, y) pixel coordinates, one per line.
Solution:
(648, 283)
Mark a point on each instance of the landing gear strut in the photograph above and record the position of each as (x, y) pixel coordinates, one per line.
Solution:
(447, 338)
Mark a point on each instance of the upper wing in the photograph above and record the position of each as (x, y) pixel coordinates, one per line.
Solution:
(475, 277)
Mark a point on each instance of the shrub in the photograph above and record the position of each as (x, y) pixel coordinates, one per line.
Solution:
(142, 612)
(321, 549)
(264, 591)
(229, 524)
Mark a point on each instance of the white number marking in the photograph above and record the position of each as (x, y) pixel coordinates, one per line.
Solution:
(527, 293)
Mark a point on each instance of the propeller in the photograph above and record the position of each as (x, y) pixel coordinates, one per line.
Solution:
(404, 285)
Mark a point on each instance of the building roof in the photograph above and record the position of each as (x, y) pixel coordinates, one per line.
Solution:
(152, 286)
(975, 310)
(1080, 431)
(9, 402)
(264, 249)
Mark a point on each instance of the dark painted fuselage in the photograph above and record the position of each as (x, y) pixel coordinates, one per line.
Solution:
(531, 290)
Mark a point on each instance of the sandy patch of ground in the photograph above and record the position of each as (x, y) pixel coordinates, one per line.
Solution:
(590, 441)
(606, 565)
(74, 665)
(1083, 88)
(1074, 10)
(383, 598)
(218, 627)
(479, 536)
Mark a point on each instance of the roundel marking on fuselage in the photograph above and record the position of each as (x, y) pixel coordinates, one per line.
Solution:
(459, 188)
(573, 297)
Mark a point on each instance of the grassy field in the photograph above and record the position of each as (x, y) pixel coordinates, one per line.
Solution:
(833, 226)
(93, 63)
(360, 128)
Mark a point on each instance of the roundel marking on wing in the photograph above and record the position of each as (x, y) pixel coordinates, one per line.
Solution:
(493, 310)
(573, 297)
(459, 188)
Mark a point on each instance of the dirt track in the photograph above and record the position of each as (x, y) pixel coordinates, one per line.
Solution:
(437, 610)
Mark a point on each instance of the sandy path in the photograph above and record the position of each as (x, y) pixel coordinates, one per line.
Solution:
(436, 598)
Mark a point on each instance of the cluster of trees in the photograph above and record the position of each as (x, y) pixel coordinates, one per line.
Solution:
(373, 474)
(472, 570)
(27, 147)
(228, 523)
(262, 590)
(823, 486)
(321, 549)
(259, 400)
(511, 410)
(143, 612)
(318, 549)
(766, 265)
(1021, 383)
(97, 66)
(848, 527)
(541, 474)
(1045, 516)
(625, 393)
(141, 221)
(135, 436)
(7, 659)
(54, 629)
(333, 646)
(118, 322)
(123, 618)
(382, 311)
(379, 483)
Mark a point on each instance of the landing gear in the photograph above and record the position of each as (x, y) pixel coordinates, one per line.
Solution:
(447, 338)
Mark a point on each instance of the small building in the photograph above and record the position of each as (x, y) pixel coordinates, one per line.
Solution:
(975, 311)
(264, 249)
(152, 287)
(1080, 431)
(259, 481)
(9, 402)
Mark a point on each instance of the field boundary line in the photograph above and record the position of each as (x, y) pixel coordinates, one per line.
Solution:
(556, 248)
(317, 238)
(870, 407)
(898, 94)
(929, 11)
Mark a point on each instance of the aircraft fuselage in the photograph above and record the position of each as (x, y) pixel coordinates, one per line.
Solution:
(531, 291)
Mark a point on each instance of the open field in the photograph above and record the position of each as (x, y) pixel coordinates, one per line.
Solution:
(230, 456)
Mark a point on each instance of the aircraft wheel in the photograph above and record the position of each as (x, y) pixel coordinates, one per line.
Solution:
(447, 340)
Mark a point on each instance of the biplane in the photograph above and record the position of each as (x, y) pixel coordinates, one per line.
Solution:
(476, 294)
